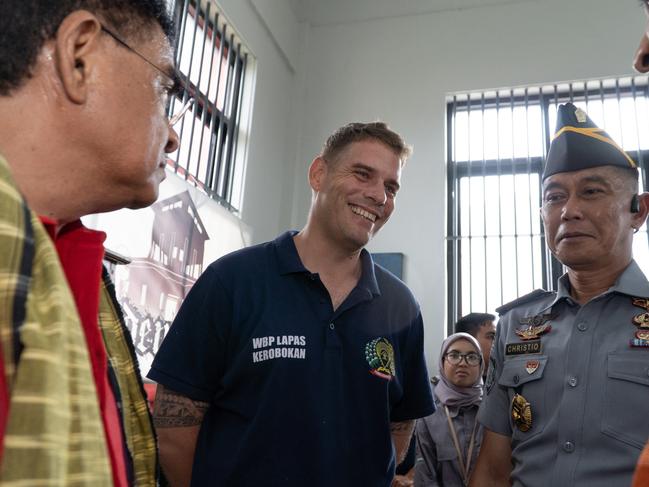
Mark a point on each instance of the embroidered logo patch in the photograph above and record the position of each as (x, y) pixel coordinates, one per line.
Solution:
(379, 353)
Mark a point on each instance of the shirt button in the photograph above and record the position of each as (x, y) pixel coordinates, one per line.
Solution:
(569, 447)
(572, 381)
(516, 379)
(582, 326)
(331, 326)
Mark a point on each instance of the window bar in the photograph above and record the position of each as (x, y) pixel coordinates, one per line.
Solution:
(241, 69)
(199, 105)
(207, 106)
(244, 64)
(212, 171)
(222, 132)
(634, 95)
(619, 110)
(205, 15)
(500, 199)
(484, 203)
(186, 94)
(470, 227)
(529, 182)
(236, 74)
(557, 267)
(179, 49)
(602, 98)
(511, 105)
(546, 259)
(455, 296)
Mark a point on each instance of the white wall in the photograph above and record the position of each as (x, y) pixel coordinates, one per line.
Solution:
(399, 70)
(274, 41)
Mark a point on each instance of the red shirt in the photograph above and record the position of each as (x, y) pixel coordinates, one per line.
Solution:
(81, 252)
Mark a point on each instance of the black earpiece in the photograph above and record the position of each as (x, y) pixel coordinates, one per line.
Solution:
(635, 204)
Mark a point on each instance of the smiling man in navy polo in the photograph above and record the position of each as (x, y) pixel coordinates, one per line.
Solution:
(299, 361)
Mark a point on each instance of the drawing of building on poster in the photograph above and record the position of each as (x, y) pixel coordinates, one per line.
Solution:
(151, 288)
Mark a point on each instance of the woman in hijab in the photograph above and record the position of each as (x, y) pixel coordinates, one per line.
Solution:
(448, 440)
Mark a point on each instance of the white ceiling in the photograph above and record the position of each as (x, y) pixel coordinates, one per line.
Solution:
(323, 12)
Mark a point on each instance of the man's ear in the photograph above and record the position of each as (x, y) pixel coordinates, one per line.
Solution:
(76, 43)
(643, 210)
(317, 173)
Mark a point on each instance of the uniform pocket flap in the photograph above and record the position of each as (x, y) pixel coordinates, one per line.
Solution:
(520, 370)
(632, 366)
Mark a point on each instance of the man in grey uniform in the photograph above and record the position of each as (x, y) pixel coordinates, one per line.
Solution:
(568, 384)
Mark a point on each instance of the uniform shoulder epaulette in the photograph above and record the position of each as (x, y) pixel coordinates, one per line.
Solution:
(527, 298)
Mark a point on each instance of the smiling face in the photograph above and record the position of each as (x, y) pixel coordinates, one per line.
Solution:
(462, 374)
(354, 194)
(586, 217)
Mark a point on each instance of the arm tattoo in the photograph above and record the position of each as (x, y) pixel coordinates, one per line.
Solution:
(172, 410)
(402, 427)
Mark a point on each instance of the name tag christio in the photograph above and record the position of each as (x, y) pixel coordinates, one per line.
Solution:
(523, 348)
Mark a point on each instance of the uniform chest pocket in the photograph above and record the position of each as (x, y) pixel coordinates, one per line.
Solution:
(625, 402)
(523, 375)
(445, 450)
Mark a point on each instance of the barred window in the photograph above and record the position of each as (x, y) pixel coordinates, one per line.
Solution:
(497, 142)
(212, 61)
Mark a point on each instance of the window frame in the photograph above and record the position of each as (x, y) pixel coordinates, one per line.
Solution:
(546, 97)
(223, 44)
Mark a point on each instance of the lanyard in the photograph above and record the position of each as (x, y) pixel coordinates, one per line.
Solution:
(464, 466)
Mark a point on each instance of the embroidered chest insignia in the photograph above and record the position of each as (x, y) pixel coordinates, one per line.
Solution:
(379, 353)
(641, 338)
(521, 411)
(531, 366)
(534, 326)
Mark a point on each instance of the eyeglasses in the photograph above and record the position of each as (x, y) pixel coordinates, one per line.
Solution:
(178, 116)
(455, 358)
(176, 86)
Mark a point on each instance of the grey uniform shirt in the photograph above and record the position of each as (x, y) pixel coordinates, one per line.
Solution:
(436, 464)
(588, 388)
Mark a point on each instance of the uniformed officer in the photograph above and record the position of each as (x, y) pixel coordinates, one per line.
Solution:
(568, 384)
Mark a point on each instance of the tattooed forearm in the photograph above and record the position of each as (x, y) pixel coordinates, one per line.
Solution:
(174, 410)
(403, 427)
(401, 434)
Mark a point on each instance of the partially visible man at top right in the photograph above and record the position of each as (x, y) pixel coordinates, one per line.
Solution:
(567, 389)
(641, 64)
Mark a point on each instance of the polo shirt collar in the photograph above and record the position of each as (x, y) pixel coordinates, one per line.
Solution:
(368, 277)
(288, 262)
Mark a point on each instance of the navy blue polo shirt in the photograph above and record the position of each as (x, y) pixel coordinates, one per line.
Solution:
(299, 394)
